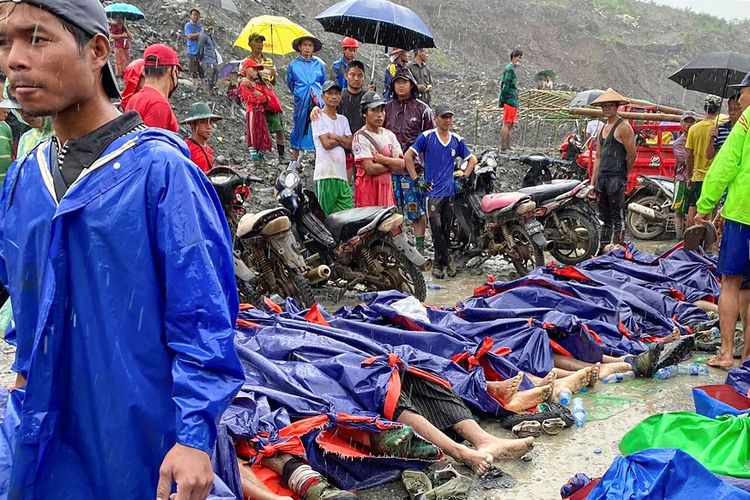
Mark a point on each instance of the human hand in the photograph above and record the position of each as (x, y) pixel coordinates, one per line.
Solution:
(421, 185)
(315, 113)
(701, 218)
(190, 468)
(714, 132)
(422, 87)
(719, 223)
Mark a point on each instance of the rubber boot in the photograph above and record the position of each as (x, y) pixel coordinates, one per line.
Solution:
(324, 491)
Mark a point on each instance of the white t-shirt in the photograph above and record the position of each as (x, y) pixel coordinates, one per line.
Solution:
(329, 163)
(389, 145)
(593, 127)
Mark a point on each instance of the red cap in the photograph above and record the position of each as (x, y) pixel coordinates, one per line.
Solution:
(349, 43)
(252, 63)
(159, 54)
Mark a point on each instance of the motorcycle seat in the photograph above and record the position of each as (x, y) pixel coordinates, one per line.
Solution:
(502, 201)
(345, 224)
(544, 192)
(253, 224)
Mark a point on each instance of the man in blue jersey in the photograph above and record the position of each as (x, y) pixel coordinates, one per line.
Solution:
(440, 148)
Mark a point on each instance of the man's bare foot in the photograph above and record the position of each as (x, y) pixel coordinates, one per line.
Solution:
(548, 379)
(507, 449)
(525, 400)
(719, 361)
(608, 369)
(573, 382)
(478, 460)
(595, 372)
(505, 390)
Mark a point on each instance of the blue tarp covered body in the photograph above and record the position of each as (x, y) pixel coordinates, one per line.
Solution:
(659, 474)
(739, 378)
(88, 312)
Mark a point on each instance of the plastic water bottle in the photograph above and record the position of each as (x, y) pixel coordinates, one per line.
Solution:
(277, 299)
(715, 332)
(696, 370)
(663, 373)
(565, 396)
(579, 413)
(616, 378)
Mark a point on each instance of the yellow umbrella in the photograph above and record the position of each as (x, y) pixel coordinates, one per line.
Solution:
(279, 33)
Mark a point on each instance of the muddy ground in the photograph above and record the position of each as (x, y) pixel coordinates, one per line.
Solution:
(612, 411)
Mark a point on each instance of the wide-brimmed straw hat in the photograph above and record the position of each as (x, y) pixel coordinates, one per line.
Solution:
(200, 111)
(610, 96)
(317, 44)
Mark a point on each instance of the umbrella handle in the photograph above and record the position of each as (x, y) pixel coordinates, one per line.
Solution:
(374, 53)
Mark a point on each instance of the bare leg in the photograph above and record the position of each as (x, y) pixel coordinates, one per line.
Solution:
(706, 306)
(500, 449)
(567, 363)
(608, 369)
(253, 488)
(745, 315)
(729, 310)
(479, 461)
(611, 365)
(420, 226)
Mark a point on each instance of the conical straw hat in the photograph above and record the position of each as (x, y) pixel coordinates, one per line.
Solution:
(610, 96)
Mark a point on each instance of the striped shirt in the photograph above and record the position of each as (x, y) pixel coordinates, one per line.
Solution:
(724, 130)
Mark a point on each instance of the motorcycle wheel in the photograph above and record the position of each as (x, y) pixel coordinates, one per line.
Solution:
(399, 271)
(290, 283)
(587, 238)
(530, 256)
(248, 294)
(642, 228)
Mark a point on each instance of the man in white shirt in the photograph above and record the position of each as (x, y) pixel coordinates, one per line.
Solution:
(332, 137)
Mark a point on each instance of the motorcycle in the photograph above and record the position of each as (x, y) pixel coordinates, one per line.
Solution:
(650, 212)
(568, 218)
(544, 169)
(363, 246)
(267, 257)
(488, 224)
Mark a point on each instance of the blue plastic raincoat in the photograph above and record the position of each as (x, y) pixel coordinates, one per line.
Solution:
(124, 301)
(305, 78)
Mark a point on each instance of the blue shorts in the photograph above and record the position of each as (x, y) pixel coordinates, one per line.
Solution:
(410, 200)
(734, 254)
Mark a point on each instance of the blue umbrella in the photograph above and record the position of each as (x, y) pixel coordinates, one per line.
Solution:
(377, 21)
(129, 12)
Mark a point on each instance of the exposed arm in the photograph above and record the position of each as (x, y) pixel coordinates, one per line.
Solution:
(395, 164)
(595, 167)
(372, 168)
(409, 163)
(711, 146)
(329, 141)
(627, 138)
(345, 141)
(472, 163)
(690, 163)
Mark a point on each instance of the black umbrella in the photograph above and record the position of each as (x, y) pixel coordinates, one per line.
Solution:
(713, 72)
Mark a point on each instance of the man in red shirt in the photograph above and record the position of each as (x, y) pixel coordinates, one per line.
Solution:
(202, 122)
(161, 70)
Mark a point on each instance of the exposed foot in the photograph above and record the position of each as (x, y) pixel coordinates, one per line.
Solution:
(525, 400)
(608, 369)
(595, 373)
(508, 449)
(573, 382)
(479, 461)
(505, 390)
(720, 361)
(672, 337)
(548, 379)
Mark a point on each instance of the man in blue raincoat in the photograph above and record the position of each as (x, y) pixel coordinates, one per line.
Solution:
(305, 77)
(119, 266)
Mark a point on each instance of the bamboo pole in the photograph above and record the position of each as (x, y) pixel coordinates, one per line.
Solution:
(654, 117)
(661, 108)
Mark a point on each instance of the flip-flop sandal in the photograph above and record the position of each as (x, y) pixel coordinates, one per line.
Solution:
(699, 235)
(529, 428)
(544, 411)
(553, 426)
(676, 352)
(709, 347)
